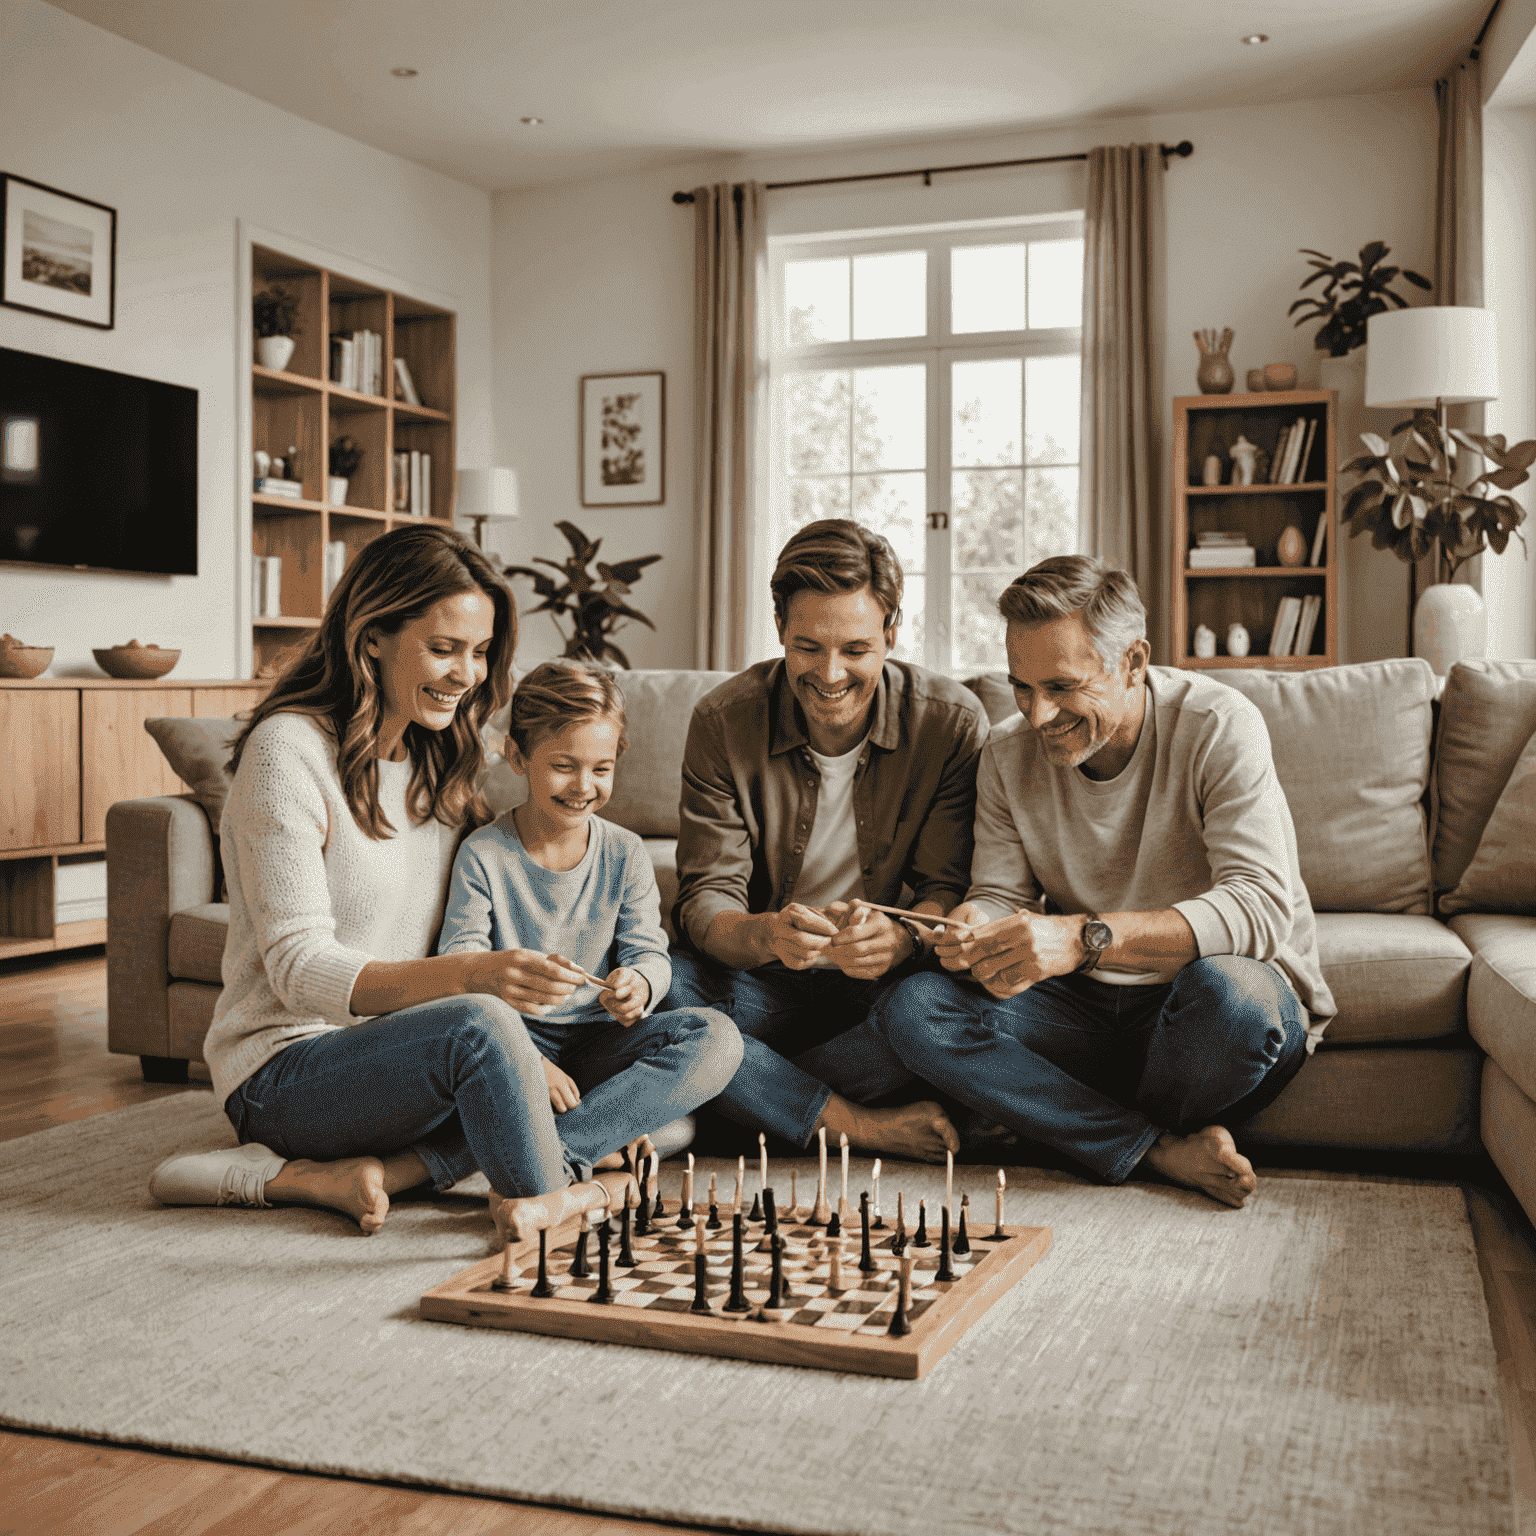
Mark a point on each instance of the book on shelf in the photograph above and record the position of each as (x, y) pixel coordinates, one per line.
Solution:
(425, 508)
(1306, 626)
(1306, 452)
(1284, 631)
(1221, 557)
(267, 587)
(1318, 539)
(357, 361)
(1216, 538)
(405, 385)
(268, 485)
(335, 564)
(414, 505)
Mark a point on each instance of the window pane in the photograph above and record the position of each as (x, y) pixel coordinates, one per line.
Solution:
(1050, 499)
(890, 417)
(817, 406)
(988, 411)
(1055, 284)
(895, 505)
(816, 301)
(813, 499)
(987, 288)
(986, 519)
(976, 627)
(909, 636)
(890, 295)
(1052, 398)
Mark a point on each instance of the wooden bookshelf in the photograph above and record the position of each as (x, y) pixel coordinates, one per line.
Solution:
(300, 407)
(1250, 595)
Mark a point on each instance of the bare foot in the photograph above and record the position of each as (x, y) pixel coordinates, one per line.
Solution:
(638, 1148)
(521, 1218)
(917, 1132)
(1208, 1161)
(353, 1185)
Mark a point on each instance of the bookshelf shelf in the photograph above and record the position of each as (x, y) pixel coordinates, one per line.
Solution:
(299, 410)
(1220, 596)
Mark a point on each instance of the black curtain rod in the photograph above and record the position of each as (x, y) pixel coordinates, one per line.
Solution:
(1183, 150)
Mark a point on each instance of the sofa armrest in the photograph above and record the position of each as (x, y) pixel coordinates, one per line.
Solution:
(160, 860)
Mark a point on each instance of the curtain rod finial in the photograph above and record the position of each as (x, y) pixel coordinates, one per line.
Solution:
(1183, 149)
(682, 197)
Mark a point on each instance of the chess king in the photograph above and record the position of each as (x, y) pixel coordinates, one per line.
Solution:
(1171, 987)
(827, 776)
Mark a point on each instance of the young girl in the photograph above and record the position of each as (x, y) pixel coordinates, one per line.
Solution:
(552, 880)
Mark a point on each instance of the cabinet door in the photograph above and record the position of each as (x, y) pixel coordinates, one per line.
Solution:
(225, 703)
(40, 787)
(119, 758)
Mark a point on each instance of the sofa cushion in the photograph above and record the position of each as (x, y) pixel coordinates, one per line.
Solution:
(1486, 717)
(995, 693)
(1502, 874)
(198, 752)
(1501, 990)
(195, 946)
(1395, 977)
(1352, 752)
(663, 852)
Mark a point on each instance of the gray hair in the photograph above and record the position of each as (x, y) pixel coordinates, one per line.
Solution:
(1105, 596)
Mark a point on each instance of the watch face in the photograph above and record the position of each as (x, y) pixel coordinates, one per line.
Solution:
(1097, 935)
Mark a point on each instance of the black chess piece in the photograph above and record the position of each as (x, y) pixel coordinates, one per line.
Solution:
(737, 1302)
(714, 1223)
(776, 1286)
(604, 1291)
(899, 1236)
(920, 1237)
(946, 1271)
(900, 1327)
(834, 1226)
(626, 1258)
(700, 1285)
(866, 1258)
(643, 1209)
(962, 1242)
(542, 1287)
(770, 1213)
(580, 1269)
(660, 1208)
(624, 1161)
(756, 1213)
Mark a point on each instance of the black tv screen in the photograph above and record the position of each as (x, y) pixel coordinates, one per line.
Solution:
(97, 469)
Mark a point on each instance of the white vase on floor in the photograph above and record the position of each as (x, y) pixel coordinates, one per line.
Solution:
(1450, 624)
(274, 351)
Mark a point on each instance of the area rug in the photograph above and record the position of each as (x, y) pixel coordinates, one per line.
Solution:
(1319, 1362)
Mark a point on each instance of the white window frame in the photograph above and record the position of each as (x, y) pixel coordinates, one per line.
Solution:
(936, 350)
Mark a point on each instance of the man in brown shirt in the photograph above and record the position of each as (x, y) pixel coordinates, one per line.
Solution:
(833, 776)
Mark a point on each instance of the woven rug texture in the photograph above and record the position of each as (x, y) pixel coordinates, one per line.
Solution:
(1317, 1363)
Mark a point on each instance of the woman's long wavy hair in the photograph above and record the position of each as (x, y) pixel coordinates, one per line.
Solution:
(393, 581)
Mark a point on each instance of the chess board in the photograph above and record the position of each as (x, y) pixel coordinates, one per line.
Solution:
(817, 1327)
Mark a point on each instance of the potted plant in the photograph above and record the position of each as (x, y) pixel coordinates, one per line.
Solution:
(1351, 293)
(595, 606)
(1408, 498)
(274, 313)
(345, 456)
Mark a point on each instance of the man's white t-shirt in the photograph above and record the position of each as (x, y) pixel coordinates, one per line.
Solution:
(831, 868)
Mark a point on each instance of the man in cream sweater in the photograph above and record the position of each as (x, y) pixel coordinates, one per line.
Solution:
(1140, 970)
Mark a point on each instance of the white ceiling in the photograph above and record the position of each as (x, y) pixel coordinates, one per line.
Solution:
(626, 83)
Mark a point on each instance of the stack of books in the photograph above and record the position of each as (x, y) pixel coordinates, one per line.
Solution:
(1295, 624)
(269, 485)
(1292, 452)
(357, 361)
(267, 587)
(412, 490)
(1220, 551)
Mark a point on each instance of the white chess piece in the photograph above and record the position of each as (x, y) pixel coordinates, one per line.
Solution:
(1237, 641)
(1205, 641)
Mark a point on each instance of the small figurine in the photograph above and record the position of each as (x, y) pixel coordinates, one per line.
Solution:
(1205, 641)
(1244, 455)
(263, 464)
(1237, 641)
(1211, 473)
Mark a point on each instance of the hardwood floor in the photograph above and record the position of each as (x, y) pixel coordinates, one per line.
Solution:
(55, 1067)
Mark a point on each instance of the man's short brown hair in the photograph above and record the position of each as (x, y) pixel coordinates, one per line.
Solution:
(1105, 596)
(837, 554)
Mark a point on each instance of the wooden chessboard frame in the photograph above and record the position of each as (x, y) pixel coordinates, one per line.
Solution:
(468, 1299)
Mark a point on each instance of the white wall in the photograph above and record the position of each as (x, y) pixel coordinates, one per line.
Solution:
(597, 277)
(183, 158)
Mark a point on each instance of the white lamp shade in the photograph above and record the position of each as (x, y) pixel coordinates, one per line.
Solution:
(487, 493)
(1441, 352)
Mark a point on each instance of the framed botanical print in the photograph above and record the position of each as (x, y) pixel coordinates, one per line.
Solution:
(60, 255)
(623, 439)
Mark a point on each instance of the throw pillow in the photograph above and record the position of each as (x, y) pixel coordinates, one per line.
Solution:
(197, 751)
(1502, 874)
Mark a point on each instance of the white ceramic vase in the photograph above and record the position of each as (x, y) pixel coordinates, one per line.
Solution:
(336, 490)
(1450, 624)
(274, 351)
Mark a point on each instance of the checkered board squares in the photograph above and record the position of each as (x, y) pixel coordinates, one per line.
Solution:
(652, 1304)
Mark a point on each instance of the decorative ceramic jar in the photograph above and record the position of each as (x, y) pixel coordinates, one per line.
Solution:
(1255, 381)
(1214, 375)
(1210, 473)
(1279, 376)
(336, 490)
(1237, 640)
(274, 351)
(1292, 547)
(1205, 641)
(1450, 624)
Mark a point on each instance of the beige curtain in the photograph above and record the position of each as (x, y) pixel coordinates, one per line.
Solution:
(1122, 504)
(729, 247)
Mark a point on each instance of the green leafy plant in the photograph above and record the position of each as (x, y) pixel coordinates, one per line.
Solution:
(274, 312)
(596, 605)
(345, 457)
(1351, 293)
(1407, 496)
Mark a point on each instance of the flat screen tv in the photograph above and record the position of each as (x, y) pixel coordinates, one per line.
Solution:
(98, 470)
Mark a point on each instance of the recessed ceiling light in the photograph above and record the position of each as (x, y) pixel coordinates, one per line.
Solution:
(531, 122)
(404, 72)
(1256, 37)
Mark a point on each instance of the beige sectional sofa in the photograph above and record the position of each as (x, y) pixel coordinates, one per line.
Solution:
(1434, 1046)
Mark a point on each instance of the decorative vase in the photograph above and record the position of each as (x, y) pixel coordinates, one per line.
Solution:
(1237, 640)
(1450, 624)
(1292, 547)
(1205, 641)
(1279, 376)
(1255, 381)
(1211, 471)
(274, 351)
(336, 490)
(1214, 375)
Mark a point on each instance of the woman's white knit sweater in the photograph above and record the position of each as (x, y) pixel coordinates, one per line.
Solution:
(312, 898)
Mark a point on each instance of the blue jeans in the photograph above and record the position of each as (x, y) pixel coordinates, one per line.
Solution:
(460, 1082)
(805, 1035)
(1098, 1071)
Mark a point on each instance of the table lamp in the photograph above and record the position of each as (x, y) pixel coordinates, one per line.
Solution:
(486, 496)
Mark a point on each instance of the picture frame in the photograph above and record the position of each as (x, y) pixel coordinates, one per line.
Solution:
(60, 254)
(623, 439)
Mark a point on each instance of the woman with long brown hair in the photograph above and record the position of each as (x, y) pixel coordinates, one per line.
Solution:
(351, 1060)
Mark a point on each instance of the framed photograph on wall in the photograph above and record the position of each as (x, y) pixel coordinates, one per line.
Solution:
(60, 255)
(623, 439)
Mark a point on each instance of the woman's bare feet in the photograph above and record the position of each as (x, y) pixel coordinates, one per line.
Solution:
(1208, 1161)
(920, 1133)
(638, 1148)
(524, 1217)
(359, 1187)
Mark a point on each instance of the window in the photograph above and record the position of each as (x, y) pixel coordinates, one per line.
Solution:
(927, 384)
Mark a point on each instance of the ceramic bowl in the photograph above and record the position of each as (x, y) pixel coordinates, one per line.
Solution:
(18, 660)
(140, 662)
(1279, 376)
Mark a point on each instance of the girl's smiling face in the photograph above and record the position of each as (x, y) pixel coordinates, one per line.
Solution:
(569, 773)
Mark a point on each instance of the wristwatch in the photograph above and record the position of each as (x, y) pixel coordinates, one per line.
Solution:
(1097, 936)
